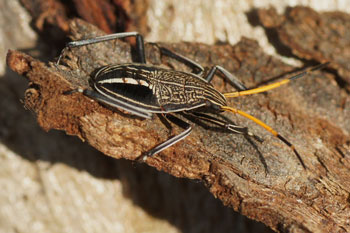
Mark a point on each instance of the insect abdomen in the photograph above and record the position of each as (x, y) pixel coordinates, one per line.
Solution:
(128, 84)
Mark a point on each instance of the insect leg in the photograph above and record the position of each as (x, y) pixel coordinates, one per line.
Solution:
(165, 121)
(231, 127)
(276, 84)
(235, 129)
(230, 77)
(171, 141)
(200, 70)
(268, 128)
(115, 103)
(196, 68)
(140, 48)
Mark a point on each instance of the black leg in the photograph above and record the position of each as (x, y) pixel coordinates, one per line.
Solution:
(231, 127)
(171, 141)
(230, 77)
(165, 121)
(115, 103)
(139, 43)
(235, 129)
(199, 70)
(140, 48)
(196, 68)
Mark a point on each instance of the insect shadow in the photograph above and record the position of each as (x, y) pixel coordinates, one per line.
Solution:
(210, 126)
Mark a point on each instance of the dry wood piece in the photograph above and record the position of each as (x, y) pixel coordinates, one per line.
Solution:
(109, 16)
(311, 112)
(313, 36)
(44, 13)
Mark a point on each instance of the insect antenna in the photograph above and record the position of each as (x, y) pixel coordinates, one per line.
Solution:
(266, 88)
(275, 84)
(268, 128)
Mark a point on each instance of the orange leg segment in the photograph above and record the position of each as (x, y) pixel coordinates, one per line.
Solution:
(274, 85)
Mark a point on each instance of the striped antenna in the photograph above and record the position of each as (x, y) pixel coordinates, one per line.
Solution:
(276, 84)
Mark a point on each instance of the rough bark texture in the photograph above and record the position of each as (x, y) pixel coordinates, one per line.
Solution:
(313, 113)
(109, 16)
(313, 36)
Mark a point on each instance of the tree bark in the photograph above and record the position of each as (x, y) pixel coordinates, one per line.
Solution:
(310, 35)
(312, 113)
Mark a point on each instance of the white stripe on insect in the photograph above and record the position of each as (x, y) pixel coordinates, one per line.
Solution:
(143, 83)
(125, 80)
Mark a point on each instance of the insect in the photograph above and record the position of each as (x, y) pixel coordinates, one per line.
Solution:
(144, 90)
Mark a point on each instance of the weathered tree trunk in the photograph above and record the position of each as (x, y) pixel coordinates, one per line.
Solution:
(313, 113)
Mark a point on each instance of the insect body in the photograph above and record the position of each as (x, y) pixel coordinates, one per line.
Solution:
(144, 90)
(155, 90)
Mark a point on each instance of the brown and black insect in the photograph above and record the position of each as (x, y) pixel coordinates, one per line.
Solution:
(144, 89)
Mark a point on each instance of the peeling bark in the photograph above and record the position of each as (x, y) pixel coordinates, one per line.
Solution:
(313, 113)
(313, 36)
(109, 16)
